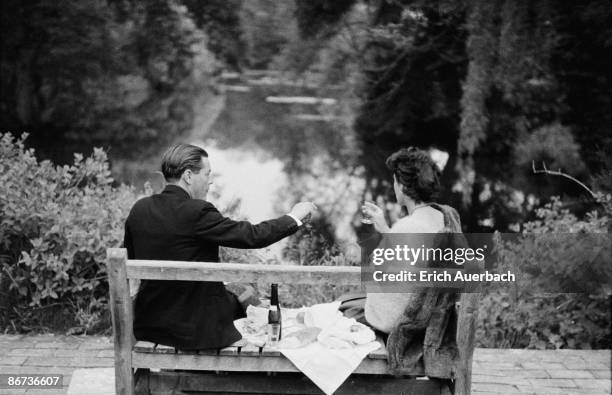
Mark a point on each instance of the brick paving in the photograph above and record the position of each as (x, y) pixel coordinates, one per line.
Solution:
(494, 370)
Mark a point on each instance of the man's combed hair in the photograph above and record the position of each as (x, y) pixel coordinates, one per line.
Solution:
(416, 172)
(179, 158)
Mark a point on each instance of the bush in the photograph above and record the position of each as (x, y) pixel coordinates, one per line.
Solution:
(310, 246)
(536, 313)
(56, 223)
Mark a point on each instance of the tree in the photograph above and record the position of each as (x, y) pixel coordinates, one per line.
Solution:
(78, 73)
(220, 19)
(479, 79)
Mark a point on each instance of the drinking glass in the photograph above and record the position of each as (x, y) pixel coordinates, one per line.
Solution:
(273, 334)
(365, 218)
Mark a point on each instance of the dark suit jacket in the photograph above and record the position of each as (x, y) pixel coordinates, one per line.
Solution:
(172, 226)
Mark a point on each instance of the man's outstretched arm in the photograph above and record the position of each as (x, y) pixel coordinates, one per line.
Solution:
(215, 228)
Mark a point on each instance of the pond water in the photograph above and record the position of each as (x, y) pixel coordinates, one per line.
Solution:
(270, 147)
(242, 175)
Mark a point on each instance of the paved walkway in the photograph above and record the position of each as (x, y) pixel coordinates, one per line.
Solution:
(494, 370)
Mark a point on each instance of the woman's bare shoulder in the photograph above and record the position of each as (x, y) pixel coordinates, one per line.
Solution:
(423, 220)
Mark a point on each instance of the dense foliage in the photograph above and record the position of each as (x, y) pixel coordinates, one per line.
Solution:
(56, 223)
(220, 19)
(82, 73)
(558, 253)
(480, 80)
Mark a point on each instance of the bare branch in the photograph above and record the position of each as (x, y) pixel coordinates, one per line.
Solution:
(559, 173)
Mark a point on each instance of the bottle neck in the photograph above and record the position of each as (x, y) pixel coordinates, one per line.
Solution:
(274, 295)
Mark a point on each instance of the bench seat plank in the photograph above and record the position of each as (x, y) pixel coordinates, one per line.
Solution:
(270, 352)
(239, 348)
(250, 350)
(381, 352)
(232, 351)
(142, 346)
(231, 363)
(148, 347)
(163, 349)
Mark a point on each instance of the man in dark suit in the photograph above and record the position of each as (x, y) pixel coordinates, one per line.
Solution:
(179, 224)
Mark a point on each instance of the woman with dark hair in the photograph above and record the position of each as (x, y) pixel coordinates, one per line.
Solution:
(416, 182)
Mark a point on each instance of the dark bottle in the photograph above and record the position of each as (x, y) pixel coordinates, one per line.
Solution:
(274, 313)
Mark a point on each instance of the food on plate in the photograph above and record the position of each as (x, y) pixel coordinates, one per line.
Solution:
(249, 326)
(346, 336)
(300, 338)
(360, 334)
(333, 342)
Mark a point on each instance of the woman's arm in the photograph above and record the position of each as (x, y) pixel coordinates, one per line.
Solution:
(376, 215)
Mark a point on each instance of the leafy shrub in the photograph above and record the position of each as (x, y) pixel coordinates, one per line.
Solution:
(312, 250)
(56, 223)
(308, 247)
(535, 313)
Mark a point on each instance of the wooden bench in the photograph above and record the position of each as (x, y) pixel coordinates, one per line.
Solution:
(142, 367)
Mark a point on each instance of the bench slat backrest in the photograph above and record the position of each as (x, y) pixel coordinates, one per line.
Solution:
(240, 272)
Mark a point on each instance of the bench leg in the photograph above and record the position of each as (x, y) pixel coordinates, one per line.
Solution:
(141, 382)
(446, 386)
(463, 383)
